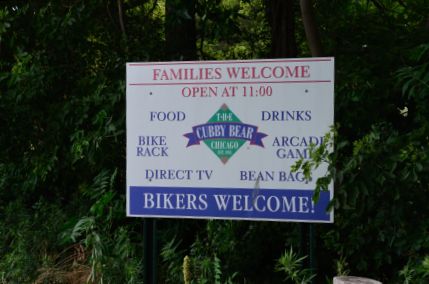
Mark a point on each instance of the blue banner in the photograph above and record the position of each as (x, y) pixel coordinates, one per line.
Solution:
(225, 130)
(228, 203)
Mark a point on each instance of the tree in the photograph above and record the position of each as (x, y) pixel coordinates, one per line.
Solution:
(62, 169)
(310, 27)
(180, 34)
(281, 17)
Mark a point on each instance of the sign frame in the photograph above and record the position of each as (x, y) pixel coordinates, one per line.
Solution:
(214, 117)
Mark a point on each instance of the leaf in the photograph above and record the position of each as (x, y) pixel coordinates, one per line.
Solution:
(83, 225)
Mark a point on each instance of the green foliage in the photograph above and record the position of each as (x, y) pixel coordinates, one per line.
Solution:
(111, 251)
(292, 265)
(232, 29)
(172, 258)
(61, 111)
(27, 236)
(318, 156)
(415, 272)
(205, 266)
(341, 267)
(62, 121)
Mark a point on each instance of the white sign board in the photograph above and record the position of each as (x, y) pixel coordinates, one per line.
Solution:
(217, 139)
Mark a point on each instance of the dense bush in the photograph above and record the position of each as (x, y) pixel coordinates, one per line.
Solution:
(62, 149)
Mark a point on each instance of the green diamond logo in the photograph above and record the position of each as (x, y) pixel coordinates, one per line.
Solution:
(224, 134)
(224, 148)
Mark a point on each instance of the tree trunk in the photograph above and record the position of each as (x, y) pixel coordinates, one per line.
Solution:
(180, 32)
(281, 17)
(310, 27)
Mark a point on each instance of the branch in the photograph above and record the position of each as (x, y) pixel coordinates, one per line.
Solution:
(121, 17)
(402, 4)
(378, 4)
(202, 35)
(155, 3)
(310, 27)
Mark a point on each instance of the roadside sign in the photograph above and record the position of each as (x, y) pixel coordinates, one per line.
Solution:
(217, 139)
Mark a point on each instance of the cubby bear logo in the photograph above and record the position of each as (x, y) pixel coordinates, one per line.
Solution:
(224, 134)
